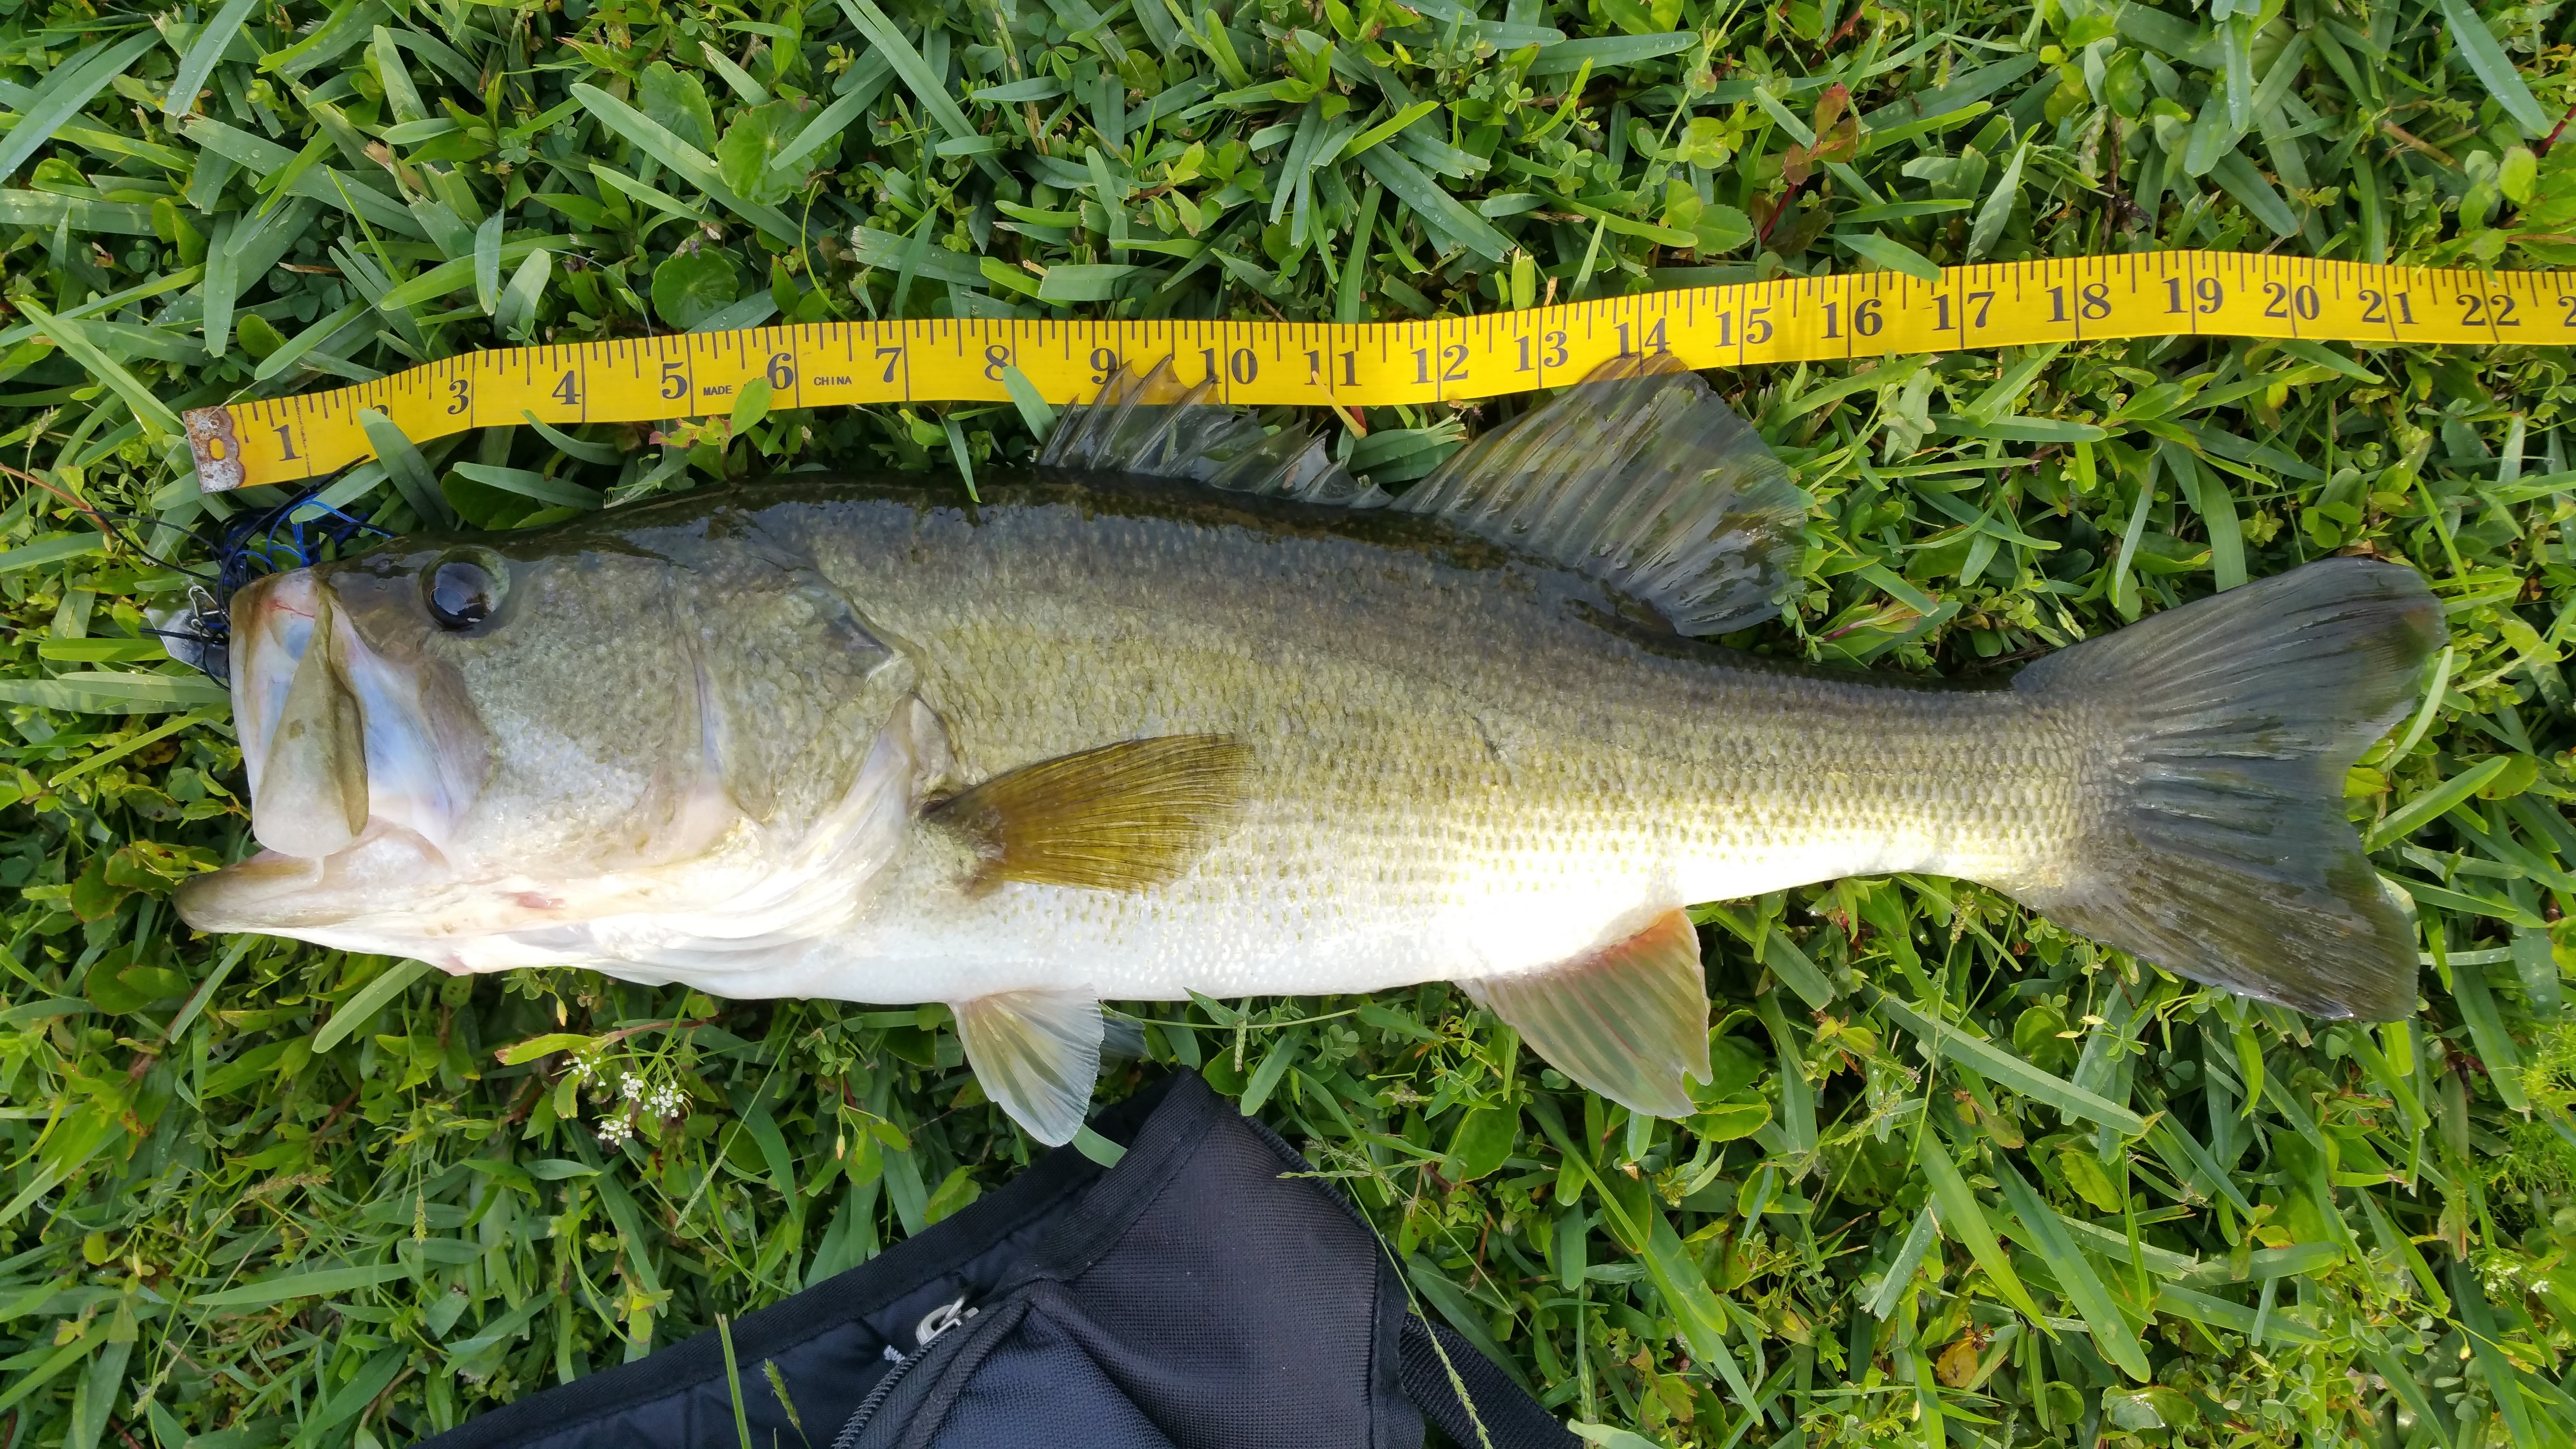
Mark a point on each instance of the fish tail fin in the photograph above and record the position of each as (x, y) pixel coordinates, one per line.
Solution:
(2213, 840)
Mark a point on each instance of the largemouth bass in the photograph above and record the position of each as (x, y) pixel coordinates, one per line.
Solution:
(1186, 709)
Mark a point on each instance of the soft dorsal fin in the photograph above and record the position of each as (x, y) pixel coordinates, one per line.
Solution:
(1641, 477)
(1149, 424)
(1638, 476)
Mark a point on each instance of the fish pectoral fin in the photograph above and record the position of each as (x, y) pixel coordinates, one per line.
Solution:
(1629, 1020)
(1036, 1053)
(1121, 817)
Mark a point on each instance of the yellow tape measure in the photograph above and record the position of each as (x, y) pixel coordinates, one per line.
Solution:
(1788, 319)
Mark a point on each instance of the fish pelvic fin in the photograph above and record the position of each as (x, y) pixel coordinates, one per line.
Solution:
(1643, 478)
(1629, 1021)
(2213, 841)
(1121, 817)
(1036, 1054)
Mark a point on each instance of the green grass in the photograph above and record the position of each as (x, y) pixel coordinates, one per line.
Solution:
(254, 1193)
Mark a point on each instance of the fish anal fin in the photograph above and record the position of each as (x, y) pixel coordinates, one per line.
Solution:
(1036, 1054)
(1629, 1020)
(1121, 817)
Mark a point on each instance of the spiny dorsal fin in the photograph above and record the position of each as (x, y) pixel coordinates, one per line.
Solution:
(1149, 424)
(1121, 817)
(1629, 1021)
(1641, 477)
(1036, 1053)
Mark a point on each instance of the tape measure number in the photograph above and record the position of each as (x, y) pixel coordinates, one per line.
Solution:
(1787, 319)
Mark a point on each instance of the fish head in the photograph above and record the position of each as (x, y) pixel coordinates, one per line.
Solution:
(488, 752)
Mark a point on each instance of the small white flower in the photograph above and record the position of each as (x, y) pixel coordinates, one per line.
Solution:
(614, 1131)
(631, 1086)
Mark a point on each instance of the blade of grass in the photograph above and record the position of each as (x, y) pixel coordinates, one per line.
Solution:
(528, 484)
(1881, 1303)
(159, 422)
(1407, 184)
(687, 161)
(64, 91)
(2503, 1380)
(1034, 410)
(1894, 255)
(1797, 1094)
(1991, 217)
(2422, 808)
(203, 52)
(2502, 1058)
(2494, 68)
(1995, 1064)
(306, 342)
(1701, 1316)
(2402, 1248)
(2409, 1392)
(1965, 1219)
(144, 740)
(917, 77)
(301, 1283)
(598, 454)
(373, 997)
(2040, 1230)
(1461, 1313)
(408, 469)
(1386, 128)
(733, 1383)
(2216, 1312)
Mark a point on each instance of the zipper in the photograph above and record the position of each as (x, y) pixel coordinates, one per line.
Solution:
(933, 1325)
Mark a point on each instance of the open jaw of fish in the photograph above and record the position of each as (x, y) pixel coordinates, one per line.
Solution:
(1189, 710)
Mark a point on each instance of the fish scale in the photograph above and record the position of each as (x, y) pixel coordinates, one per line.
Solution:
(1370, 683)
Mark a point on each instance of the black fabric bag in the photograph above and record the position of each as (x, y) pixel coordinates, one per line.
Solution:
(1195, 1296)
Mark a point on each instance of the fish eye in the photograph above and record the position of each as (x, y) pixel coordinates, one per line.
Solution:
(462, 591)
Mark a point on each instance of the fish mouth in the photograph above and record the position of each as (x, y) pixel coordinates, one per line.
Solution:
(335, 743)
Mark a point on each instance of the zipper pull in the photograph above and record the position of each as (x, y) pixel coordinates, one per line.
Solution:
(939, 1320)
